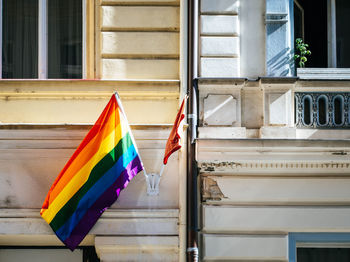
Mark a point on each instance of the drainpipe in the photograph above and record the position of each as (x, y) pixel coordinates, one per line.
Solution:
(192, 225)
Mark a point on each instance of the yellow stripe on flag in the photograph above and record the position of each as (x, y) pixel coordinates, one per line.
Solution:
(83, 174)
(84, 156)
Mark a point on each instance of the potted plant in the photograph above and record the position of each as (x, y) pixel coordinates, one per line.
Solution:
(301, 51)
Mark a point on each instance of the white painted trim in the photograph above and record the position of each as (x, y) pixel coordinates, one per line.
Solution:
(332, 33)
(1, 39)
(195, 39)
(302, 18)
(42, 40)
(324, 73)
(84, 54)
(316, 239)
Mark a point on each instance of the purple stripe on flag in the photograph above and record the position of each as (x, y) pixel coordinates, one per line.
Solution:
(104, 202)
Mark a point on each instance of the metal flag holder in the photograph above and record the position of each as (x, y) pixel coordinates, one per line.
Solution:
(152, 181)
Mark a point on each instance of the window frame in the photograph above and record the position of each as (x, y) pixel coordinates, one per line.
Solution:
(331, 31)
(325, 240)
(43, 39)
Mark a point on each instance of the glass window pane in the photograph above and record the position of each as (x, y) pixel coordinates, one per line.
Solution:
(65, 39)
(20, 39)
(314, 28)
(323, 254)
(343, 33)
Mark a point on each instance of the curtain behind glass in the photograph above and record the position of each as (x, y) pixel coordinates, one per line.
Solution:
(20, 39)
(65, 39)
(343, 33)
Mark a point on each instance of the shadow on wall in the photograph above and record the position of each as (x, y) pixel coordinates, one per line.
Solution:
(279, 65)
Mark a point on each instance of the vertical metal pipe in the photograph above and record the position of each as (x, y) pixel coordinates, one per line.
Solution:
(332, 33)
(195, 39)
(192, 241)
(84, 14)
(43, 38)
(1, 11)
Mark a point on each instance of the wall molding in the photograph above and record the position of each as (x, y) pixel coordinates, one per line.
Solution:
(112, 222)
(291, 167)
(88, 89)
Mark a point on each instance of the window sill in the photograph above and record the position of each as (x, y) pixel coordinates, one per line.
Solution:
(14, 89)
(323, 73)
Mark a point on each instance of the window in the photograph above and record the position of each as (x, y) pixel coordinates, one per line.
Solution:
(323, 254)
(324, 25)
(41, 39)
(319, 247)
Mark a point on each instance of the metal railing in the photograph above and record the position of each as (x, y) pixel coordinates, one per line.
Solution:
(322, 110)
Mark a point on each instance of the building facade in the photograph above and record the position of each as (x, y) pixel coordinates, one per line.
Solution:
(61, 61)
(273, 141)
(267, 163)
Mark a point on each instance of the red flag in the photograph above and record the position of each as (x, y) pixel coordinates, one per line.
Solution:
(173, 143)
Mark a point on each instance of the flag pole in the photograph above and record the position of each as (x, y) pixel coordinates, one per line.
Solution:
(131, 135)
(161, 170)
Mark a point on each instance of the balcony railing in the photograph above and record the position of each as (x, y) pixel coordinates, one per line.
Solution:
(322, 110)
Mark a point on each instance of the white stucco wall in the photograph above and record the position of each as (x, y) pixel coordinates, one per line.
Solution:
(252, 38)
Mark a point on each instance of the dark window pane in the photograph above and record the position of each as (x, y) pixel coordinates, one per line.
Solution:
(307, 110)
(315, 30)
(338, 111)
(65, 39)
(323, 254)
(20, 39)
(89, 255)
(322, 110)
(343, 33)
(298, 22)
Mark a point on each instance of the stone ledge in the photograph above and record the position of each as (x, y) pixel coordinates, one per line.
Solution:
(133, 248)
(324, 73)
(112, 222)
(222, 132)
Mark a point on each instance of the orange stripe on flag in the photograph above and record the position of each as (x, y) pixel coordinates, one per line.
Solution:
(85, 151)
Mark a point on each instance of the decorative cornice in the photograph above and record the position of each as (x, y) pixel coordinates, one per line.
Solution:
(290, 167)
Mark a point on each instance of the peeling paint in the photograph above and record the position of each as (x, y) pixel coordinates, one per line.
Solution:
(211, 190)
(209, 169)
(217, 166)
(339, 153)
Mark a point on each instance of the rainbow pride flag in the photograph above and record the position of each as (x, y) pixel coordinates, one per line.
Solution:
(91, 181)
